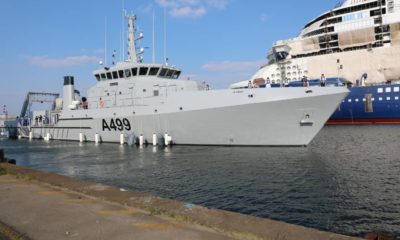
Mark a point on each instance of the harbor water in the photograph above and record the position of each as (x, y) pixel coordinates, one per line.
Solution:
(347, 181)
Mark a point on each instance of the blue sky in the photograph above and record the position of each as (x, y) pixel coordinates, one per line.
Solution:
(219, 41)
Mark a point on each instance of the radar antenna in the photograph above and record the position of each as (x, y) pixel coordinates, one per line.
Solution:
(133, 56)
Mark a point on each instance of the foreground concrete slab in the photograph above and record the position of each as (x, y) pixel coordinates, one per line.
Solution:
(49, 206)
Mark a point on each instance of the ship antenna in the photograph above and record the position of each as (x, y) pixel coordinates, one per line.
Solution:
(165, 37)
(123, 35)
(105, 40)
(154, 48)
(113, 57)
(133, 56)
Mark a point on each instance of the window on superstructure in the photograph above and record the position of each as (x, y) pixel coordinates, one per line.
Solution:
(128, 73)
(103, 76)
(143, 71)
(115, 75)
(169, 73)
(121, 73)
(109, 76)
(134, 71)
(176, 74)
(163, 72)
(97, 77)
(153, 71)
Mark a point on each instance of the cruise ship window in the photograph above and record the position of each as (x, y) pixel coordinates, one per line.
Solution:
(134, 71)
(128, 73)
(103, 76)
(396, 89)
(97, 77)
(388, 89)
(121, 73)
(163, 72)
(115, 75)
(109, 77)
(143, 71)
(153, 71)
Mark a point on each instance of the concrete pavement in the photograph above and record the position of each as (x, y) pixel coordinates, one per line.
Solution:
(49, 206)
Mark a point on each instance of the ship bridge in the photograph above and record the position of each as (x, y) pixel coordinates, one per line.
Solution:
(128, 70)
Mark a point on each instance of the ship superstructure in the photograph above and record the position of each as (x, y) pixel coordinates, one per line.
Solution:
(149, 102)
(356, 37)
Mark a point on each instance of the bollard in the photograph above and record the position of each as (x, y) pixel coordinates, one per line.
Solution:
(2, 159)
(30, 135)
(12, 161)
(154, 139)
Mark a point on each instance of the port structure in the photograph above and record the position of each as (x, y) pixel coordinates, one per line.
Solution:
(37, 97)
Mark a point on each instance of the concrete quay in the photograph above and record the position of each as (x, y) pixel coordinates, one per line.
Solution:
(41, 205)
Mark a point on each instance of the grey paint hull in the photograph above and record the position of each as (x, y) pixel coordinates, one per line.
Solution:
(257, 117)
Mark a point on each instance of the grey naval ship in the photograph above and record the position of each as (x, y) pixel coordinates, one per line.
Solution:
(148, 103)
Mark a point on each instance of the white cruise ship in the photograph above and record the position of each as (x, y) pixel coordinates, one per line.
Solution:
(355, 38)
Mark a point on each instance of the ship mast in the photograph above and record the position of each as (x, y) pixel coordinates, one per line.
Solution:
(133, 56)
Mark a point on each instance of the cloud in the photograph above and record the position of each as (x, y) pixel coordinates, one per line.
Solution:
(233, 66)
(188, 11)
(45, 61)
(191, 8)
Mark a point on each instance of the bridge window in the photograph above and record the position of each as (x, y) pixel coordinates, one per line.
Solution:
(153, 71)
(143, 71)
(121, 73)
(169, 73)
(115, 75)
(134, 71)
(97, 77)
(176, 74)
(103, 76)
(109, 77)
(128, 73)
(163, 72)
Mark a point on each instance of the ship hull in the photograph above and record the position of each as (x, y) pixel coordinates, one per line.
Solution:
(248, 117)
(384, 106)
